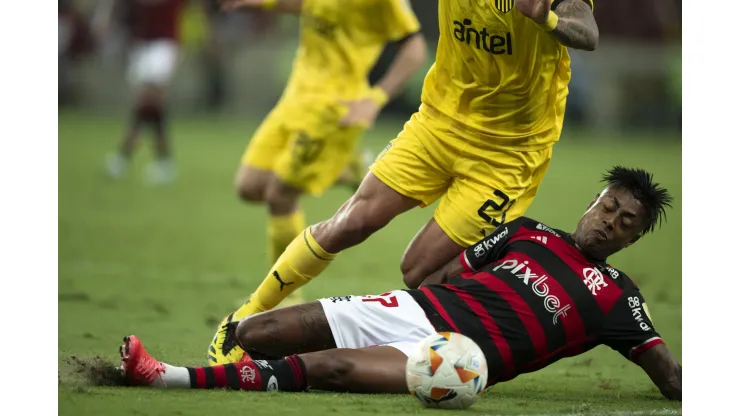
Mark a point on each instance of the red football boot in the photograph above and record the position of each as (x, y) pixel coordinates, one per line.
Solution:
(139, 368)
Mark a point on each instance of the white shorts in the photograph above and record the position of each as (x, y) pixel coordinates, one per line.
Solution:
(153, 62)
(392, 319)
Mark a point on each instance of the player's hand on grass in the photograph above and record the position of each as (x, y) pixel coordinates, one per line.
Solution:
(362, 112)
(536, 10)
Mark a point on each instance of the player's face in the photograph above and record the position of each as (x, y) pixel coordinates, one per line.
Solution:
(613, 221)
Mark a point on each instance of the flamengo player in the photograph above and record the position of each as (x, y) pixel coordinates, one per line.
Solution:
(492, 108)
(527, 294)
(153, 27)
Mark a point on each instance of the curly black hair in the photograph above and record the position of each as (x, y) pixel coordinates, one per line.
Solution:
(639, 183)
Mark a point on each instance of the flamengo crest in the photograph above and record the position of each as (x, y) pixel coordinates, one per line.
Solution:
(593, 279)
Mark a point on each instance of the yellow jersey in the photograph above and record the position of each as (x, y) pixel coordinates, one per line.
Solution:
(498, 78)
(340, 42)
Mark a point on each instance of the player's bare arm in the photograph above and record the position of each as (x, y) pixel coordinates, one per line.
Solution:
(410, 57)
(663, 369)
(572, 22)
(280, 6)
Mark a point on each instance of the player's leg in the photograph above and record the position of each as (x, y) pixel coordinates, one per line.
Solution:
(429, 250)
(393, 321)
(302, 158)
(256, 181)
(250, 183)
(310, 162)
(152, 66)
(498, 190)
(117, 163)
(379, 369)
(255, 171)
(402, 178)
(285, 223)
(272, 149)
(161, 63)
(255, 177)
(323, 343)
(338, 322)
(151, 107)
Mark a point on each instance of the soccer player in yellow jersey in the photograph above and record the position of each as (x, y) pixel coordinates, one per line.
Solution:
(309, 138)
(492, 109)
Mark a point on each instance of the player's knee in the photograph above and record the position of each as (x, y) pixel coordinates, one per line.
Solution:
(281, 198)
(252, 333)
(249, 189)
(335, 372)
(244, 334)
(413, 274)
(249, 192)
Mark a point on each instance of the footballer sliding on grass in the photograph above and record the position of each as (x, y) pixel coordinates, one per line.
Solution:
(527, 295)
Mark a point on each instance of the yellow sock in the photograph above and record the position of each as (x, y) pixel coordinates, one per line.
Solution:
(281, 230)
(301, 261)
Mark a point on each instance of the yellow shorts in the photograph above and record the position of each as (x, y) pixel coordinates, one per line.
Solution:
(479, 186)
(303, 145)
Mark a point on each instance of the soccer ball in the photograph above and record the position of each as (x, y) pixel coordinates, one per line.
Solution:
(446, 370)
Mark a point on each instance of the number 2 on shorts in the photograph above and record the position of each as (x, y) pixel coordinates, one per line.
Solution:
(502, 207)
(390, 302)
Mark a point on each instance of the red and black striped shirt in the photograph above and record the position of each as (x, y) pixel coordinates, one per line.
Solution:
(529, 297)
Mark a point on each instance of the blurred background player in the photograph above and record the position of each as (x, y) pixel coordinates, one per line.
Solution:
(492, 109)
(309, 139)
(222, 31)
(153, 30)
(75, 42)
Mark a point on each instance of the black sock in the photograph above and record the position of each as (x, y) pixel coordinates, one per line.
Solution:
(157, 121)
(289, 374)
(139, 116)
(286, 374)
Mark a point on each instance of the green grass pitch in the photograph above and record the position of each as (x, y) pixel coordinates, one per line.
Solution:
(167, 263)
